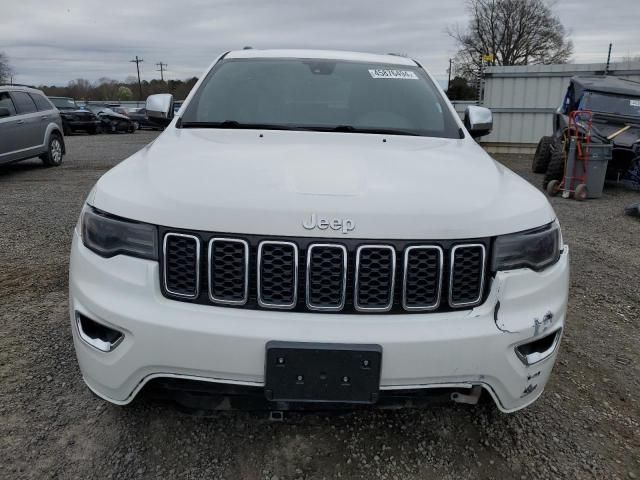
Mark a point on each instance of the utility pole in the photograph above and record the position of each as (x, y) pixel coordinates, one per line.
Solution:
(606, 69)
(138, 61)
(479, 85)
(161, 70)
(449, 81)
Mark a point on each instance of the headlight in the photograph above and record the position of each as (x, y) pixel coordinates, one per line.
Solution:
(109, 236)
(535, 249)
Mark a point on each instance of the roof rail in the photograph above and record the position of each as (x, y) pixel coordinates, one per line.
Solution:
(17, 85)
(404, 55)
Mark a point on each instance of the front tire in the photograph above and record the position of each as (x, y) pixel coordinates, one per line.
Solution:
(55, 151)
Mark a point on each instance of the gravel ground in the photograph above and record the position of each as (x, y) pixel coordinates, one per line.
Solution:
(586, 425)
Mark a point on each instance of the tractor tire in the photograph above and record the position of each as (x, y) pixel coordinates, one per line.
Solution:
(555, 169)
(542, 156)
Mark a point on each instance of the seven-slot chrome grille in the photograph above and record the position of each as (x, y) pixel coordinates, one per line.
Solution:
(307, 274)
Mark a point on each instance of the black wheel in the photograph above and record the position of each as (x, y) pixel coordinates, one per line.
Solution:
(542, 156)
(555, 169)
(53, 156)
(66, 130)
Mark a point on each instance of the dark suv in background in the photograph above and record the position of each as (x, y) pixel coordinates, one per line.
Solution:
(30, 126)
(75, 118)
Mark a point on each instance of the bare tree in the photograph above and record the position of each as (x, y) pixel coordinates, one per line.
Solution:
(510, 32)
(79, 88)
(630, 58)
(5, 69)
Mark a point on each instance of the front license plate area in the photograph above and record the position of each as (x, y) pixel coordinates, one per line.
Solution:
(322, 372)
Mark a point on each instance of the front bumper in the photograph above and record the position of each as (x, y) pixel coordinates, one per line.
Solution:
(81, 124)
(165, 338)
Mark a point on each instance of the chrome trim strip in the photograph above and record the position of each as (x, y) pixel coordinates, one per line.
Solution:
(424, 308)
(164, 260)
(212, 297)
(482, 273)
(356, 303)
(96, 343)
(339, 307)
(287, 306)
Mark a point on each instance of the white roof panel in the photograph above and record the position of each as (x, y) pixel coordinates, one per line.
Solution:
(323, 54)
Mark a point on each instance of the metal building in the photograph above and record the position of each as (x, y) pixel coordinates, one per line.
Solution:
(523, 99)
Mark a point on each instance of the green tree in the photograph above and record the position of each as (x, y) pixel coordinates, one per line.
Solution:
(459, 89)
(124, 93)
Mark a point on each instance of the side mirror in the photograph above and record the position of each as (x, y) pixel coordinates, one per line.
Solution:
(4, 112)
(478, 121)
(160, 108)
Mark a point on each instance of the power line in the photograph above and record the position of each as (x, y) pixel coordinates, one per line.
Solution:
(138, 61)
(161, 69)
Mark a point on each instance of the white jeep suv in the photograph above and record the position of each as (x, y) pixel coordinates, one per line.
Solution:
(319, 227)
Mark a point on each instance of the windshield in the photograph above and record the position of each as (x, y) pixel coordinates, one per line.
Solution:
(99, 109)
(613, 104)
(64, 103)
(320, 95)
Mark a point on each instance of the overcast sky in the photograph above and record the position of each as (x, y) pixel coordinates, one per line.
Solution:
(52, 42)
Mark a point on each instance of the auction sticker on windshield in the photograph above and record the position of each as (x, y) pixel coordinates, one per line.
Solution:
(402, 74)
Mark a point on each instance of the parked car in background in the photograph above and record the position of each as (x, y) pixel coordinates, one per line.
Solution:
(176, 107)
(75, 118)
(111, 121)
(30, 126)
(140, 118)
(120, 110)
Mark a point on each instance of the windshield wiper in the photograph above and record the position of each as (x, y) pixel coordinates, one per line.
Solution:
(238, 125)
(380, 131)
(309, 128)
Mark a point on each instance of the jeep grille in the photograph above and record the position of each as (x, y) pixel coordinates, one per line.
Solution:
(321, 275)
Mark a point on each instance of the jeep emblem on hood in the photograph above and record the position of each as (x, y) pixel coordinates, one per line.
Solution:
(345, 225)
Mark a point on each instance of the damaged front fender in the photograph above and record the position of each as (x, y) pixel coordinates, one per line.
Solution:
(530, 302)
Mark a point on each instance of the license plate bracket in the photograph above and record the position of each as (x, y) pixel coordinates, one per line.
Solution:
(322, 372)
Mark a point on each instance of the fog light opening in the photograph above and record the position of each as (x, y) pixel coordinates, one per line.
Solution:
(536, 351)
(97, 335)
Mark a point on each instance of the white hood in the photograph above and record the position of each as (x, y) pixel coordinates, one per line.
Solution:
(269, 182)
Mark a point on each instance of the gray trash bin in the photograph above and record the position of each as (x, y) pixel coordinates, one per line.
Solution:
(599, 156)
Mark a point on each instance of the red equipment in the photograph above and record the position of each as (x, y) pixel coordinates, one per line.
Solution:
(576, 160)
